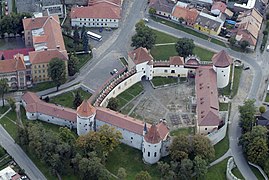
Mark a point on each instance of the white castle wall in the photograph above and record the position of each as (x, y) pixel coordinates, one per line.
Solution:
(223, 76)
(31, 116)
(85, 124)
(151, 152)
(129, 138)
(92, 22)
(167, 71)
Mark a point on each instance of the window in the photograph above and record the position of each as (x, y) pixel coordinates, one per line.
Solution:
(155, 154)
(43, 65)
(84, 19)
(173, 71)
(205, 128)
(148, 154)
(165, 70)
(110, 20)
(32, 114)
(114, 20)
(97, 19)
(132, 138)
(144, 149)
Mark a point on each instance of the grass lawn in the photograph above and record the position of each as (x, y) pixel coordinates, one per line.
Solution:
(162, 53)
(2, 151)
(42, 86)
(70, 46)
(160, 81)
(9, 126)
(218, 171)
(222, 147)
(237, 173)
(223, 106)
(3, 109)
(164, 38)
(257, 173)
(83, 59)
(183, 131)
(237, 76)
(267, 97)
(126, 96)
(67, 98)
(130, 159)
(216, 41)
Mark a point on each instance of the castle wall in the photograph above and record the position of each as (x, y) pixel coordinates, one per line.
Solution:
(151, 152)
(129, 138)
(170, 71)
(223, 76)
(85, 124)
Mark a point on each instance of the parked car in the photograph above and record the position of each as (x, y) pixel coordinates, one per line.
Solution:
(145, 19)
(108, 29)
(246, 68)
(115, 71)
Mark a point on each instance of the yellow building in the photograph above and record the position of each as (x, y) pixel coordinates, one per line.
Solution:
(40, 63)
(208, 24)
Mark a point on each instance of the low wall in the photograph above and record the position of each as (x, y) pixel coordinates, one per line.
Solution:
(230, 166)
(218, 135)
(260, 169)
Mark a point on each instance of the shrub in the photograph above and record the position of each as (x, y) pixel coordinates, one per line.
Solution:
(262, 109)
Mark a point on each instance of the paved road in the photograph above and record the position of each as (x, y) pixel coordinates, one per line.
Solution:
(19, 156)
(234, 129)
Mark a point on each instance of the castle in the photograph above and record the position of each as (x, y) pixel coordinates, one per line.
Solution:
(152, 139)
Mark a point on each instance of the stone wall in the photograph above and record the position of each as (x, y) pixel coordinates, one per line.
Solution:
(230, 166)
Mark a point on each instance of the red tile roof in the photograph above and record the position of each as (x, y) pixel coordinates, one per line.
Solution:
(222, 59)
(101, 10)
(176, 60)
(45, 56)
(119, 120)
(220, 6)
(189, 15)
(140, 55)
(157, 133)
(86, 109)
(12, 65)
(207, 96)
(245, 35)
(34, 104)
(115, 2)
(34, 23)
(8, 54)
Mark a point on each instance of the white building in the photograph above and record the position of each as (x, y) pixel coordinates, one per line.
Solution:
(8, 173)
(102, 14)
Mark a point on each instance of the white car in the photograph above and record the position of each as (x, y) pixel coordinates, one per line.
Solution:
(145, 19)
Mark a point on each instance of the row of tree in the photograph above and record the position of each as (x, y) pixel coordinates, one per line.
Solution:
(254, 139)
(12, 23)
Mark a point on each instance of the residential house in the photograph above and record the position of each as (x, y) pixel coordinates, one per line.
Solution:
(219, 7)
(44, 34)
(263, 119)
(184, 13)
(9, 174)
(14, 70)
(163, 7)
(98, 13)
(200, 2)
(208, 24)
(260, 5)
(248, 27)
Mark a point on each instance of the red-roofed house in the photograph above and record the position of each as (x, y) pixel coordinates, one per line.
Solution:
(9, 54)
(99, 13)
(188, 15)
(14, 70)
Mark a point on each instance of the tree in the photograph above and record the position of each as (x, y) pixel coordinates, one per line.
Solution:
(262, 109)
(144, 36)
(166, 170)
(85, 43)
(73, 65)
(247, 112)
(2, 57)
(244, 44)
(47, 99)
(143, 175)
(78, 100)
(57, 71)
(265, 32)
(66, 135)
(122, 173)
(232, 41)
(180, 148)
(3, 89)
(152, 11)
(76, 36)
(202, 147)
(12, 103)
(181, 20)
(82, 32)
(185, 170)
(184, 47)
(113, 104)
(200, 167)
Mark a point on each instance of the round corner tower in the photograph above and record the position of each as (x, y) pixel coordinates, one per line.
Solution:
(221, 64)
(85, 118)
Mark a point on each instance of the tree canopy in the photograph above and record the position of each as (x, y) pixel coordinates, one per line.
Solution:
(3, 89)
(113, 104)
(73, 65)
(144, 36)
(184, 47)
(247, 112)
(57, 71)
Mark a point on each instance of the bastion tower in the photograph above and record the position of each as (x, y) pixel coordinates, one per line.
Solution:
(222, 66)
(85, 118)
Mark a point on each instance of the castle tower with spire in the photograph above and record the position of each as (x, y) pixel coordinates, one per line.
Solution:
(85, 118)
(221, 65)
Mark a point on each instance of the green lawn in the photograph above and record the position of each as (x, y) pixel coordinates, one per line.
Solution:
(267, 97)
(42, 86)
(257, 173)
(183, 131)
(188, 30)
(83, 59)
(164, 38)
(237, 76)
(67, 99)
(9, 126)
(2, 151)
(222, 147)
(218, 171)
(130, 159)
(223, 106)
(160, 81)
(129, 94)
(70, 46)
(237, 173)
(162, 53)
(3, 109)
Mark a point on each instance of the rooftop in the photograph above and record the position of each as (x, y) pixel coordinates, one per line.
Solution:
(12, 65)
(140, 55)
